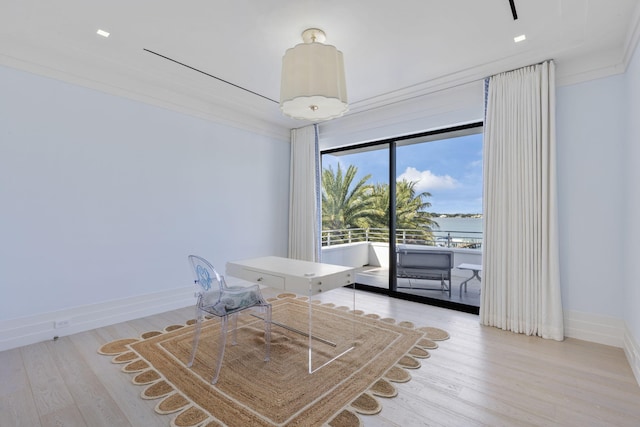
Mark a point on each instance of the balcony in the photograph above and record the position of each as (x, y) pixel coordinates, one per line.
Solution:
(368, 251)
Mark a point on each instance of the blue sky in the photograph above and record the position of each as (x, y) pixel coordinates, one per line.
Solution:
(449, 169)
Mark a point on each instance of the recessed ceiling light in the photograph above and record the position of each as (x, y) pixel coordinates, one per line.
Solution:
(520, 38)
(102, 33)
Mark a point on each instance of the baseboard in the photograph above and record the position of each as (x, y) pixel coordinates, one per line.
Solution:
(632, 351)
(604, 330)
(594, 328)
(42, 327)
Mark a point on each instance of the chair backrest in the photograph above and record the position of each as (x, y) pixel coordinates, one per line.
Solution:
(205, 275)
(416, 258)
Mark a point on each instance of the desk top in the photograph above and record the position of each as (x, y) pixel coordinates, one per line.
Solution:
(291, 267)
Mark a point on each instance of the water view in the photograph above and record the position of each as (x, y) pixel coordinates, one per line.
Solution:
(458, 232)
(460, 224)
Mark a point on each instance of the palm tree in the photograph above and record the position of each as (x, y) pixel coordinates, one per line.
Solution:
(345, 204)
(410, 209)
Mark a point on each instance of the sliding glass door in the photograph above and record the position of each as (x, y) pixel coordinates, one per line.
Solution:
(391, 206)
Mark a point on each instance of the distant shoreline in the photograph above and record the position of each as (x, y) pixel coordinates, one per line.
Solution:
(456, 215)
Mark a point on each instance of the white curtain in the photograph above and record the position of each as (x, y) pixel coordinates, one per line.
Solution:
(304, 213)
(521, 282)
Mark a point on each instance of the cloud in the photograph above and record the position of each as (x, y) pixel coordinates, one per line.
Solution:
(427, 181)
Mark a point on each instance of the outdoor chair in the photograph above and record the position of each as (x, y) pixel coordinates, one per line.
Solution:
(425, 264)
(217, 299)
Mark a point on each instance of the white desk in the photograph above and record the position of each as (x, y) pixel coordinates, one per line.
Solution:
(301, 277)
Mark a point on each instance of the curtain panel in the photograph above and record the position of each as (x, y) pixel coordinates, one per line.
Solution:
(521, 283)
(304, 211)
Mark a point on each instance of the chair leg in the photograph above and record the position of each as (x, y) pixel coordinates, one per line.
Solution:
(234, 340)
(196, 338)
(221, 344)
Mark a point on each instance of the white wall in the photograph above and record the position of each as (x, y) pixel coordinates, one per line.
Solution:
(103, 198)
(631, 210)
(446, 108)
(590, 135)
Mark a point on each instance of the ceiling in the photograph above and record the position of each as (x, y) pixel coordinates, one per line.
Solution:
(393, 50)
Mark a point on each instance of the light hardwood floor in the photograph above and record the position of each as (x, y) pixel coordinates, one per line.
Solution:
(480, 376)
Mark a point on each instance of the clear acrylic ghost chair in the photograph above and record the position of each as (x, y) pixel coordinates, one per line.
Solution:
(217, 299)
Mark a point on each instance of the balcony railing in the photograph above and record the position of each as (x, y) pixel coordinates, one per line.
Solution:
(442, 238)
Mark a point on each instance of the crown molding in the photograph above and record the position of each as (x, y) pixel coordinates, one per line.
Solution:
(234, 111)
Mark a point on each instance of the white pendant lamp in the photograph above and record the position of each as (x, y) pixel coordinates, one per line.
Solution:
(313, 85)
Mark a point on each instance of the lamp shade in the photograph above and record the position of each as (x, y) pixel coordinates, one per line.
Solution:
(313, 84)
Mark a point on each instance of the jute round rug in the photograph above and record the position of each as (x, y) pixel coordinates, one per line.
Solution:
(280, 392)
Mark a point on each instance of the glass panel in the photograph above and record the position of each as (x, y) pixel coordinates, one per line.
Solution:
(355, 229)
(439, 216)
